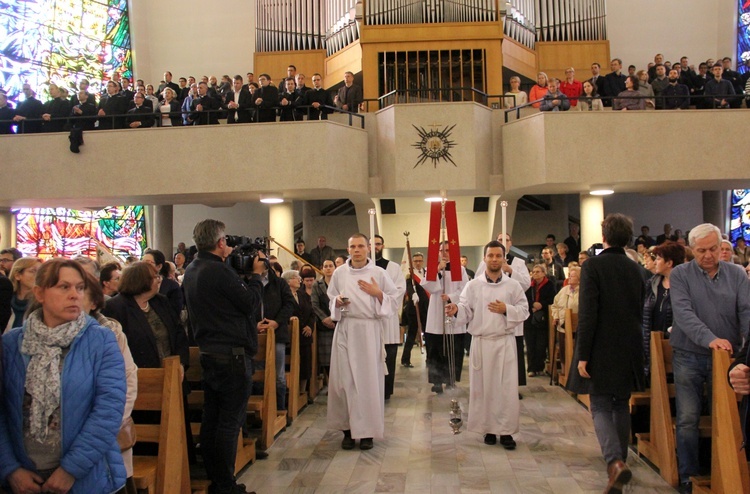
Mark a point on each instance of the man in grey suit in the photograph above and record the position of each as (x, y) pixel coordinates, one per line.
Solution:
(350, 96)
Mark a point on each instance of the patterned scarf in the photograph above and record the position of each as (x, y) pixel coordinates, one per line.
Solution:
(44, 345)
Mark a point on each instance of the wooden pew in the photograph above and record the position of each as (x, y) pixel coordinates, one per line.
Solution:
(571, 325)
(194, 375)
(297, 398)
(274, 421)
(659, 444)
(161, 390)
(729, 469)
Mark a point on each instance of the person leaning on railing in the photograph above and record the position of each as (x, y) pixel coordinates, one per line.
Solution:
(539, 89)
(589, 99)
(515, 97)
(630, 98)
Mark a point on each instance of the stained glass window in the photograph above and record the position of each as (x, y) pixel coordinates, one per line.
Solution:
(52, 232)
(62, 42)
(743, 35)
(739, 222)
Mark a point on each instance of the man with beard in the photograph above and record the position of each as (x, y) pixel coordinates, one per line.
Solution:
(493, 305)
(676, 95)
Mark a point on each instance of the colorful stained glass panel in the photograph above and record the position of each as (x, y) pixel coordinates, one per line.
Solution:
(53, 232)
(739, 221)
(62, 42)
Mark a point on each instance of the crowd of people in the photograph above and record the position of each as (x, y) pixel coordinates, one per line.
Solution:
(660, 86)
(169, 104)
(101, 323)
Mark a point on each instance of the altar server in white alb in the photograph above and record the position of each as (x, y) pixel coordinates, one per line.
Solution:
(361, 295)
(493, 305)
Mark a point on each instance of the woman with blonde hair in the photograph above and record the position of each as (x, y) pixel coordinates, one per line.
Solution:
(539, 90)
(22, 275)
(515, 97)
(170, 109)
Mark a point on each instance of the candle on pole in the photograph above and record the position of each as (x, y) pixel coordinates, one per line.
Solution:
(371, 212)
(504, 207)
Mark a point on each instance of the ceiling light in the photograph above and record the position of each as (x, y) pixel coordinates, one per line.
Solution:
(433, 199)
(271, 199)
(602, 192)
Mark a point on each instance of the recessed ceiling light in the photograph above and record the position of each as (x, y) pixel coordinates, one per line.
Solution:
(271, 199)
(602, 192)
(433, 199)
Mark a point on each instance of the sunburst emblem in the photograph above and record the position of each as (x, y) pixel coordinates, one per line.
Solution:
(434, 145)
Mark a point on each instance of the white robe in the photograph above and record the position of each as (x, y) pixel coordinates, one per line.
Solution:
(436, 310)
(493, 369)
(391, 326)
(356, 384)
(520, 274)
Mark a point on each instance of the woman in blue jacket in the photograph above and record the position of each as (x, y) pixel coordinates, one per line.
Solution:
(64, 395)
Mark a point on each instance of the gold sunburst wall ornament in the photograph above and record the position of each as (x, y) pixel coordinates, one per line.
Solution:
(434, 144)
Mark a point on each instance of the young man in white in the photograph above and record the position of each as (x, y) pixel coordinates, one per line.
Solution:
(361, 295)
(493, 305)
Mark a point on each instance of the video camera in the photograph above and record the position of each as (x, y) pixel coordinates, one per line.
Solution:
(245, 251)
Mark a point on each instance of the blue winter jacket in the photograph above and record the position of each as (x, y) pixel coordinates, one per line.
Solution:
(92, 401)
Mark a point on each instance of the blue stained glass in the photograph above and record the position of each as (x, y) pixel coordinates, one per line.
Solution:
(739, 222)
(743, 36)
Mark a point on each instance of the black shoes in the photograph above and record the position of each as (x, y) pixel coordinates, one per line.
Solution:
(260, 455)
(437, 388)
(490, 439)
(407, 365)
(348, 442)
(507, 442)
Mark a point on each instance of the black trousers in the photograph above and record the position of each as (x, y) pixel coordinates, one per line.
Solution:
(537, 341)
(391, 349)
(438, 371)
(227, 383)
(411, 339)
(521, 361)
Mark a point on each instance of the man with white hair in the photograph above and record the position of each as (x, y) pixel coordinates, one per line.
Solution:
(711, 306)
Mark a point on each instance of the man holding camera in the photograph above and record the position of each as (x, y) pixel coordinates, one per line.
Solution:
(221, 308)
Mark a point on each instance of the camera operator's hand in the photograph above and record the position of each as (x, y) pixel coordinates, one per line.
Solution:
(259, 265)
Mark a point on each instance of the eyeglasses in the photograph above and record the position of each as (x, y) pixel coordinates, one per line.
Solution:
(6, 260)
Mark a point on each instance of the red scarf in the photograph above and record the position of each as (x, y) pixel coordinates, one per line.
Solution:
(538, 287)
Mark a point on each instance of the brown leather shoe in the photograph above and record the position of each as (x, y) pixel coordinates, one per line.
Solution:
(619, 475)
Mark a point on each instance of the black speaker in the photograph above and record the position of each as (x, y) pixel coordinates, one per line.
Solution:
(481, 204)
(388, 206)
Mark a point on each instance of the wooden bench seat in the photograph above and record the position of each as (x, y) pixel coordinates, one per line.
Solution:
(659, 444)
(729, 468)
(161, 390)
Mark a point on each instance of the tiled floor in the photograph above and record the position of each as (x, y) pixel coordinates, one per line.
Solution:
(557, 450)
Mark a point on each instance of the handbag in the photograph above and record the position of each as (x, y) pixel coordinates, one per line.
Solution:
(126, 438)
(537, 318)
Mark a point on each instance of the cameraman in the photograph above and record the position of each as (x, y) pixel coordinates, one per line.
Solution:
(221, 308)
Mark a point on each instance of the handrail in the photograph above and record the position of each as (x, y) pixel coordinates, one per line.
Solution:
(68, 120)
(663, 98)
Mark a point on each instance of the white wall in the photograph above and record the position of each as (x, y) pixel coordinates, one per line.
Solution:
(683, 210)
(247, 218)
(699, 29)
(189, 37)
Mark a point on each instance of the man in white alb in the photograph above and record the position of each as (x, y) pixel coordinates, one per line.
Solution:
(515, 268)
(493, 305)
(361, 295)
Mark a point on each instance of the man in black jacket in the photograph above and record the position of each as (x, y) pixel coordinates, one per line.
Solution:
(203, 107)
(221, 308)
(266, 99)
(112, 104)
(238, 103)
(318, 98)
(608, 361)
(30, 108)
(614, 82)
